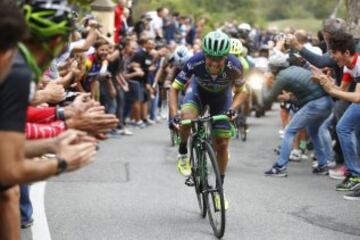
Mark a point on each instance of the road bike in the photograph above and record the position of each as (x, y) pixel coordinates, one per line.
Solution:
(205, 172)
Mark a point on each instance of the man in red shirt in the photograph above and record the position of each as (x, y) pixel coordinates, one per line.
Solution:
(119, 9)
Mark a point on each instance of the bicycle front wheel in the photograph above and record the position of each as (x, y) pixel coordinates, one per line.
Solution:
(214, 194)
(197, 174)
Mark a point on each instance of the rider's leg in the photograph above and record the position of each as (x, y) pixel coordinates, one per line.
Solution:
(221, 147)
(183, 158)
(188, 111)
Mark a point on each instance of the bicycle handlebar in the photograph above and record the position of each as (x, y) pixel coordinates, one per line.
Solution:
(205, 119)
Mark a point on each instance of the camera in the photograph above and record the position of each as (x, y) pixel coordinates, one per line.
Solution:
(283, 37)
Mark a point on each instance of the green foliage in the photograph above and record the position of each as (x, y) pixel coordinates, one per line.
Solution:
(253, 11)
(228, 10)
(309, 24)
(284, 9)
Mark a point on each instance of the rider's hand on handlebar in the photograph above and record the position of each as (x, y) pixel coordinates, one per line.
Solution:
(174, 123)
(231, 113)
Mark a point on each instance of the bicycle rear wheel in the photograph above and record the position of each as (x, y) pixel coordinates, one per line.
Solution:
(197, 173)
(243, 132)
(214, 195)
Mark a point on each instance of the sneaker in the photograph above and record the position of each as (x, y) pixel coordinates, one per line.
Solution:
(149, 121)
(295, 155)
(338, 174)
(314, 164)
(353, 195)
(304, 157)
(281, 133)
(183, 165)
(140, 124)
(349, 184)
(321, 170)
(115, 131)
(158, 119)
(331, 164)
(217, 202)
(132, 122)
(27, 224)
(276, 171)
(126, 132)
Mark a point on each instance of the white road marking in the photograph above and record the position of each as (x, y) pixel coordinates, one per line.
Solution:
(40, 229)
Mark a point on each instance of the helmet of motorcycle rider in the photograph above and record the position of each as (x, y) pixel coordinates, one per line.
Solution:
(245, 27)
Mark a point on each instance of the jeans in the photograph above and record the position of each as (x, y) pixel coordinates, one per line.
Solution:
(120, 104)
(26, 209)
(326, 137)
(311, 116)
(106, 100)
(347, 129)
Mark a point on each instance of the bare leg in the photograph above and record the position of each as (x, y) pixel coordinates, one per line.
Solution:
(10, 214)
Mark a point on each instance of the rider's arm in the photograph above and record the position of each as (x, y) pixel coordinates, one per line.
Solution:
(177, 86)
(159, 73)
(239, 88)
(173, 101)
(241, 94)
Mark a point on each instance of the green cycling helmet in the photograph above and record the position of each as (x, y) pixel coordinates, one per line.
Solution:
(48, 18)
(216, 44)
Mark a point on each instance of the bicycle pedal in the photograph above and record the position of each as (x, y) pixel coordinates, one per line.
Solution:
(189, 182)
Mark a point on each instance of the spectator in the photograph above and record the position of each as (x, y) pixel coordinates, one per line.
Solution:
(170, 27)
(302, 37)
(118, 21)
(144, 60)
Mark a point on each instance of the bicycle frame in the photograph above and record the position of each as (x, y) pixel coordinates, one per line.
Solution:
(202, 154)
(198, 137)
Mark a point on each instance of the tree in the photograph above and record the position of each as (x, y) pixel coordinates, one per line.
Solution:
(353, 17)
(336, 9)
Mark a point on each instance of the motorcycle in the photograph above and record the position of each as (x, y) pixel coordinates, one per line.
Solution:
(258, 88)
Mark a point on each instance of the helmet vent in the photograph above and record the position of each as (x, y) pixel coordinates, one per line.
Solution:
(222, 45)
(216, 46)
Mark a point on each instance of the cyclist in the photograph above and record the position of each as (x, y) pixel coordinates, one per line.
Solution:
(215, 73)
(237, 49)
(171, 65)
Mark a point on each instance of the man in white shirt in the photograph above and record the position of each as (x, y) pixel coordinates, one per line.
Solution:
(302, 37)
(157, 22)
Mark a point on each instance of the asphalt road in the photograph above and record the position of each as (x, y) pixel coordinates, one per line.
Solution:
(133, 191)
